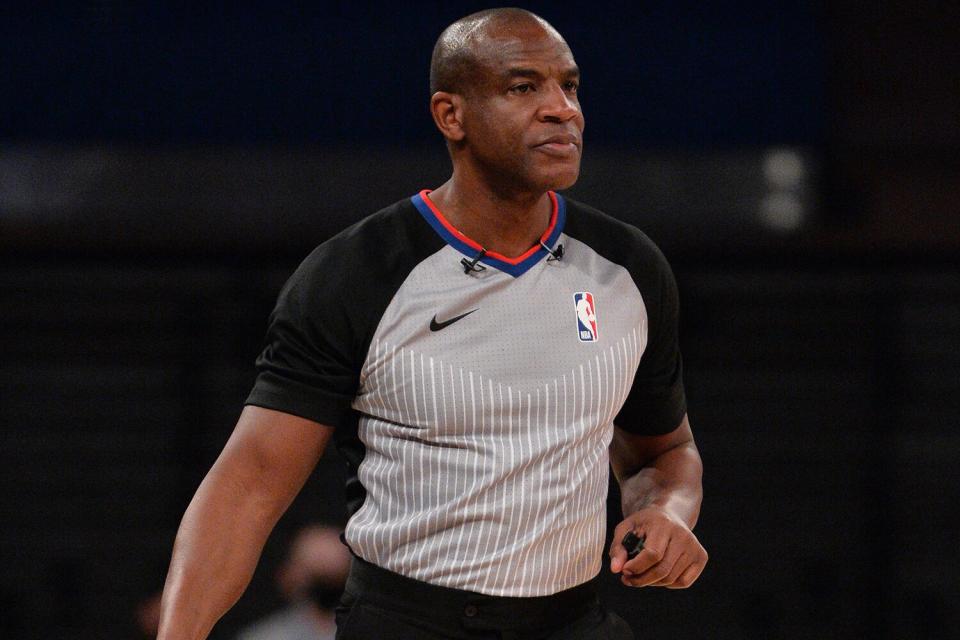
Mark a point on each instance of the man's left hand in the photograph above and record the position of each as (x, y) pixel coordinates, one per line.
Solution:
(672, 556)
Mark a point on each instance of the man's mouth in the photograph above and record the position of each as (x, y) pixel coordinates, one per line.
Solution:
(560, 146)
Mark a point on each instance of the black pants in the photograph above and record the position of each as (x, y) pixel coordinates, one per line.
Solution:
(381, 605)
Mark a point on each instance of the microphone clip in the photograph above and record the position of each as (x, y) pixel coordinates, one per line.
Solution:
(474, 266)
(555, 254)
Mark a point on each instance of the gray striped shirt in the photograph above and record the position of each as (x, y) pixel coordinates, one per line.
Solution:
(485, 403)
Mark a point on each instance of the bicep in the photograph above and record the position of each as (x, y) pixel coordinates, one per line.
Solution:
(630, 452)
(270, 454)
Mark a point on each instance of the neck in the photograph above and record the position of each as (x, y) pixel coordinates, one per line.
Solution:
(508, 223)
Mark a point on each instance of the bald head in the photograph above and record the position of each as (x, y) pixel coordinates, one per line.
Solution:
(459, 52)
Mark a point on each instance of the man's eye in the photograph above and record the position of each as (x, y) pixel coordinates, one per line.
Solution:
(522, 88)
(572, 86)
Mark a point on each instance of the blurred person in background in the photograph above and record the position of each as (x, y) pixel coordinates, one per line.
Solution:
(311, 579)
(147, 615)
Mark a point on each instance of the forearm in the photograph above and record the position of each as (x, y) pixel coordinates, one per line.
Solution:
(215, 554)
(261, 469)
(671, 481)
(661, 488)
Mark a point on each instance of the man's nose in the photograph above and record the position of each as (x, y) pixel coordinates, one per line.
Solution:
(558, 105)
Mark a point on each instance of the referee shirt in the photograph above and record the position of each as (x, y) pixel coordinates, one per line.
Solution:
(475, 410)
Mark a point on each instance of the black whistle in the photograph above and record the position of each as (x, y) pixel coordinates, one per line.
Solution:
(633, 544)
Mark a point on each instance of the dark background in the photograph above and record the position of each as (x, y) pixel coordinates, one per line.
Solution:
(164, 167)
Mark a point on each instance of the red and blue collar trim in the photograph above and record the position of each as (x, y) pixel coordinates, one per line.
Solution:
(470, 248)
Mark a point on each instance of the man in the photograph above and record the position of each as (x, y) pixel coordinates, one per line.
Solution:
(311, 580)
(471, 349)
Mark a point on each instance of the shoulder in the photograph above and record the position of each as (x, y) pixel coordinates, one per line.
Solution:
(387, 239)
(369, 258)
(343, 286)
(617, 241)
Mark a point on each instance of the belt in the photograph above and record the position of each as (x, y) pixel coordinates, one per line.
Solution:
(472, 610)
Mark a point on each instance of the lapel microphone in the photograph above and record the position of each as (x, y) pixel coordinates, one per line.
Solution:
(555, 254)
(473, 266)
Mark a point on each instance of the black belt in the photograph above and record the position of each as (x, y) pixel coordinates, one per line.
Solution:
(472, 610)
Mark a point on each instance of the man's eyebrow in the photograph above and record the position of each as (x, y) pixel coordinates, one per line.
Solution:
(524, 72)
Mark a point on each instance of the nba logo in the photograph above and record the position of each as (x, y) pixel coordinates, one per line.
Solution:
(586, 316)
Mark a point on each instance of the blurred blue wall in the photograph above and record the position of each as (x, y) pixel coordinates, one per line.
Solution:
(349, 73)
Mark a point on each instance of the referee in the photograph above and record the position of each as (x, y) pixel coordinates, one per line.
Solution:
(482, 354)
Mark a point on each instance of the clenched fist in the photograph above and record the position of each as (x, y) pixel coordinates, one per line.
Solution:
(672, 556)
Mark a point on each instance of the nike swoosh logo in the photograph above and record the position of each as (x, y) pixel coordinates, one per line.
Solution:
(436, 326)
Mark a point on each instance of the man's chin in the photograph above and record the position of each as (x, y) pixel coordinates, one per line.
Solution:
(564, 180)
(553, 175)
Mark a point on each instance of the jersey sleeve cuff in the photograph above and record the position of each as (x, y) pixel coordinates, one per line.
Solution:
(321, 407)
(653, 418)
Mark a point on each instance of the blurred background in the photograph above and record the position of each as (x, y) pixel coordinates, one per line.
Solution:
(164, 167)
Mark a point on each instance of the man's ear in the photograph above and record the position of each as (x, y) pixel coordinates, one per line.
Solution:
(447, 111)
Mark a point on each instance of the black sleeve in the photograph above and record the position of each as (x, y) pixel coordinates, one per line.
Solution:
(656, 403)
(320, 331)
(308, 366)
